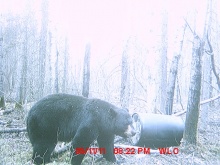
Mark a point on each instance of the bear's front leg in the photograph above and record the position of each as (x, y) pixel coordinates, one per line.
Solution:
(83, 139)
(107, 142)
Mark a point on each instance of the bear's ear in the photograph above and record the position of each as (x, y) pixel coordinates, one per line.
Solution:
(112, 112)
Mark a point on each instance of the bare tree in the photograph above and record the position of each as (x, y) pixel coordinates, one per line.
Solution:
(86, 72)
(192, 115)
(56, 71)
(193, 106)
(163, 64)
(23, 78)
(125, 80)
(173, 76)
(50, 63)
(43, 47)
(211, 53)
(171, 84)
(25, 50)
(2, 99)
(207, 70)
(12, 51)
(65, 74)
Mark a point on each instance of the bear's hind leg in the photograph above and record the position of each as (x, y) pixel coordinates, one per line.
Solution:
(42, 152)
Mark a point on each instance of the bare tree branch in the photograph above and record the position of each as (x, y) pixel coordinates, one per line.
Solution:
(201, 103)
(210, 52)
(211, 99)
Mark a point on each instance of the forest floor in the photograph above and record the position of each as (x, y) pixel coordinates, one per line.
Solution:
(15, 148)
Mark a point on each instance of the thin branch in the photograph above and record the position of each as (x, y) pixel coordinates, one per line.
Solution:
(201, 103)
(210, 52)
(189, 26)
(179, 113)
(209, 100)
(194, 33)
(178, 88)
(139, 82)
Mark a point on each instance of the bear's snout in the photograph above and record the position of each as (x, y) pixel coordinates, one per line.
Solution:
(130, 131)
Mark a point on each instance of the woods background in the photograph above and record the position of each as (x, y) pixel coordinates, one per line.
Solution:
(148, 56)
(41, 55)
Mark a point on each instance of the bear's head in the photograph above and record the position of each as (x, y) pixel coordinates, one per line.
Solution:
(122, 123)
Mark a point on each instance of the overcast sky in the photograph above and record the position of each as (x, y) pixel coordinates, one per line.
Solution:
(107, 24)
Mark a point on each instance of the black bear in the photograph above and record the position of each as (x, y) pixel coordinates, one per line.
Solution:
(64, 117)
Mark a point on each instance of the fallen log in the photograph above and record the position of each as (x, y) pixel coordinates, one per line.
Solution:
(12, 130)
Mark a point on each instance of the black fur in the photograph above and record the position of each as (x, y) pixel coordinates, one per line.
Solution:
(63, 117)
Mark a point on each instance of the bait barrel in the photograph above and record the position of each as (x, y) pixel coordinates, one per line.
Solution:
(156, 130)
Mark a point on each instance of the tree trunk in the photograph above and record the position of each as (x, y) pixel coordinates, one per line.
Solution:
(173, 76)
(171, 84)
(2, 99)
(210, 52)
(207, 71)
(56, 71)
(50, 64)
(43, 46)
(65, 74)
(86, 72)
(192, 115)
(125, 80)
(23, 81)
(22, 91)
(163, 65)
